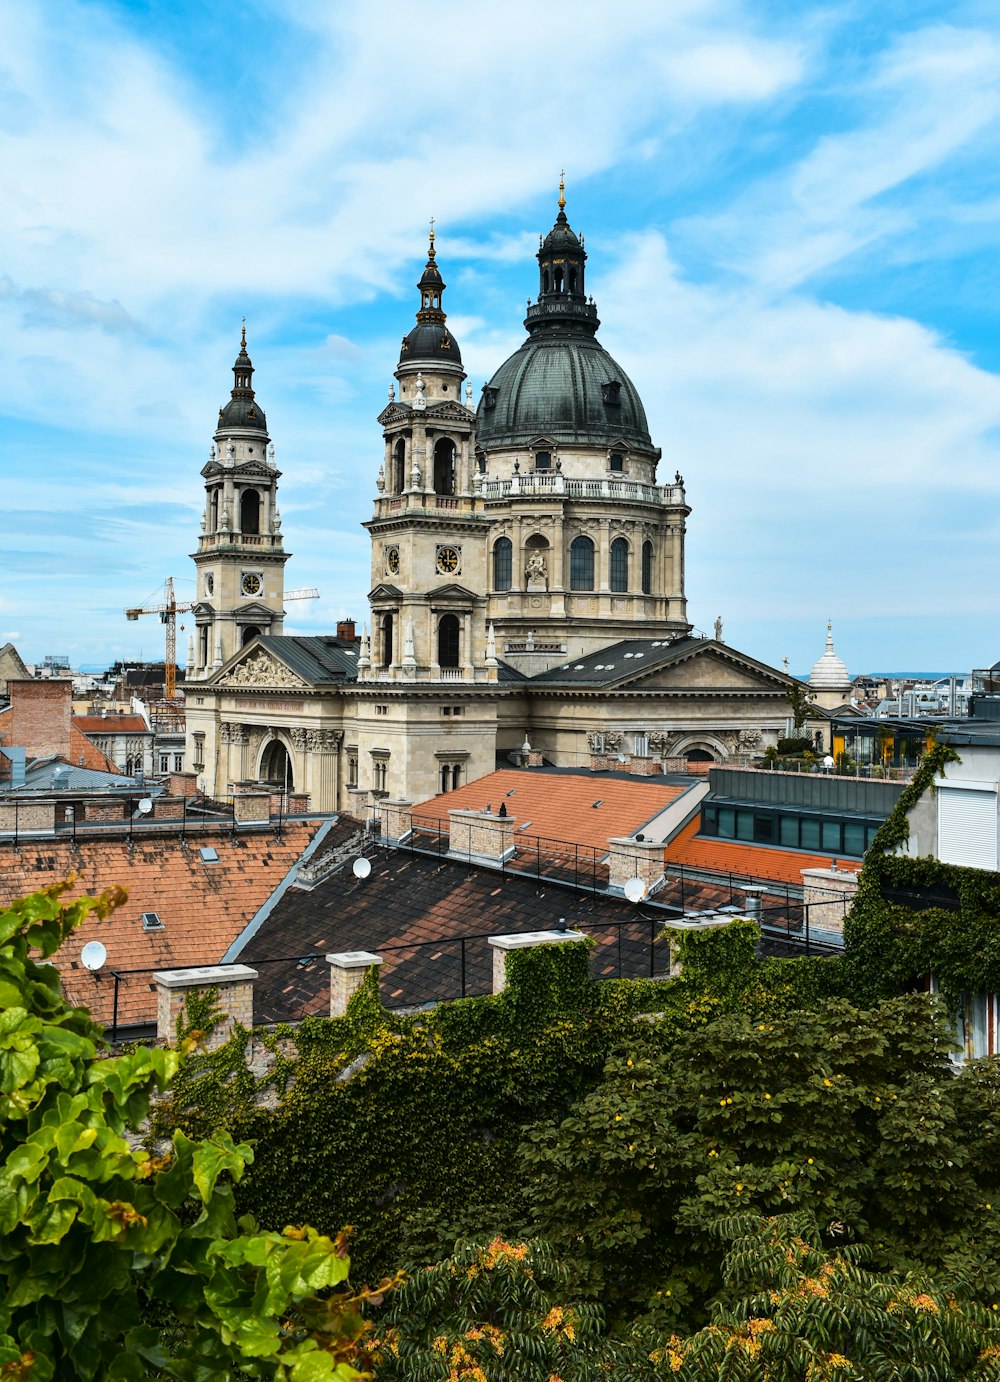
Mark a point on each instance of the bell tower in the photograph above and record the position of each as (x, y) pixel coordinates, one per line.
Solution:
(428, 598)
(240, 558)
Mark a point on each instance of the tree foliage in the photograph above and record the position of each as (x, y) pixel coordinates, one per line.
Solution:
(99, 1239)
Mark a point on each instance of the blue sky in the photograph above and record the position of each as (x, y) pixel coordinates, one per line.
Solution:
(792, 217)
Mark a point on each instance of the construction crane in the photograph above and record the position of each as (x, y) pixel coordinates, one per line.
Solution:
(166, 606)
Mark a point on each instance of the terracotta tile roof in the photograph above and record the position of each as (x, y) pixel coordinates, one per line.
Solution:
(203, 906)
(411, 898)
(111, 724)
(765, 862)
(560, 806)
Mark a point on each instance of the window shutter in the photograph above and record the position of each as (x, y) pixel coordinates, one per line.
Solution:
(967, 827)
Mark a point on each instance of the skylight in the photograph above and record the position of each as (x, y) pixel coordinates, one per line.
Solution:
(208, 854)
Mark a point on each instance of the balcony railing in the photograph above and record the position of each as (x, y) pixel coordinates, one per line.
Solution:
(547, 484)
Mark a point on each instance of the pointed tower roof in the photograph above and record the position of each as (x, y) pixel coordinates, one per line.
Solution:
(430, 342)
(242, 412)
(830, 672)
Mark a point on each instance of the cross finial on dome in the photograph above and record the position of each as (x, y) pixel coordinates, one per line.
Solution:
(432, 251)
(562, 191)
(243, 336)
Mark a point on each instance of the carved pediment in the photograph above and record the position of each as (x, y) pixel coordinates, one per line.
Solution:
(253, 612)
(257, 470)
(447, 409)
(395, 412)
(709, 669)
(451, 594)
(385, 592)
(260, 669)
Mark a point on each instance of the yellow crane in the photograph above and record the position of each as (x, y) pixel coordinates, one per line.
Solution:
(167, 607)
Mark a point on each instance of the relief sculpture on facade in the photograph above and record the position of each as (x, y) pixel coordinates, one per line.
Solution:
(260, 670)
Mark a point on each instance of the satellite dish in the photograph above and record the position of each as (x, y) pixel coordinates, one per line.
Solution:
(362, 868)
(93, 955)
(144, 807)
(635, 890)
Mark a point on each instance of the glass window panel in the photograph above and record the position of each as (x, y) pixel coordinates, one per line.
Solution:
(854, 838)
(831, 835)
(581, 564)
(744, 825)
(727, 822)
(763, 829)
(809, 834)
(788, 831)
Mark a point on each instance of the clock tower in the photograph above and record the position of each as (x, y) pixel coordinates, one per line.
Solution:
(240, 558)
(428, 598)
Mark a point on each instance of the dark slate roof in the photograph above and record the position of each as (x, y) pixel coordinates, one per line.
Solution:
(317, 660)
(507, 673)
(407, 900)
(620, 662)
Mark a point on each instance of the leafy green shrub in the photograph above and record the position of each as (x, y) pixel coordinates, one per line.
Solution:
(98, 1239)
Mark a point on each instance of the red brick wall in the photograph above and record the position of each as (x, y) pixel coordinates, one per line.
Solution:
(41, 716)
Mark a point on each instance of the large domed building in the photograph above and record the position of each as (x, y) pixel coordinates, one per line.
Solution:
(527, 583)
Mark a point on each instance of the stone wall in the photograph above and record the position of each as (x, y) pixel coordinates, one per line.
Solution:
(234, 997)
(827, 896)
(481, 836)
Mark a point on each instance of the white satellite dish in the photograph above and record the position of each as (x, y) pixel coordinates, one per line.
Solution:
(93, 955)
(635, 890)
(362, 868)
(144, 807)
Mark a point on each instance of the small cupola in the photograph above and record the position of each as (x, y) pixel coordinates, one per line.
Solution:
(242, 412)
(430, 342)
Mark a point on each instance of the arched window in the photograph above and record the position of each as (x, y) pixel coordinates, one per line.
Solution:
(249, 511)
(557, 277)
(276, 766)
(387, 641)
(545, 280)
(214, 519)
(503, 564)
(251, 631)
(444, 466)
(572, 279)
(581, 564)
(647, 568)
(619, 564)
(448, 637)
(398, 482)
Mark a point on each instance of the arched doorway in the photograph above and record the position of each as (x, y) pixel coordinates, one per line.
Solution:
(444, 466)
(251, 631)
(249, 511)
(448, 641)
(276, 766)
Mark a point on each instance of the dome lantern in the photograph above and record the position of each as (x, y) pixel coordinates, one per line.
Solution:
(430, 341)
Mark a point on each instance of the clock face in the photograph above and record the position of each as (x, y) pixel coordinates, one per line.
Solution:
(448, 560)
(392, 560)
(252, 584)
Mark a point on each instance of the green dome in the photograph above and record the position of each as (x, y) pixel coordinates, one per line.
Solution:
(564, 387)
(562, 383)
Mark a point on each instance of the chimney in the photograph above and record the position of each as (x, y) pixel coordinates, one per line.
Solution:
(345, 630)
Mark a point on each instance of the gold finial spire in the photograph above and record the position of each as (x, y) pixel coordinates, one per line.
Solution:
(432, 251)
(243, 337)
(562, 191)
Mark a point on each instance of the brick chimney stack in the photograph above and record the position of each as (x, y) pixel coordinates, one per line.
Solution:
(345, 630)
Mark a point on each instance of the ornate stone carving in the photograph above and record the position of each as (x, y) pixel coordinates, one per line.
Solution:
(259, 669)
(537, 572)
(299, 738)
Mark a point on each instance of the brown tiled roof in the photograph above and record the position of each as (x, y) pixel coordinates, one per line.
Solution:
(203, 906)
(111, 724)
(766, 862)
(560, 806)
(409, 899)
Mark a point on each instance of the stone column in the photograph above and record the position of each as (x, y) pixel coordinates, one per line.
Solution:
(252, 808)
(827, 896)
(324, 762)
(631, 858)
(348, 969)
(394, 820)
(603, 582)
(527, 940)
(480, 837)
(234, 986)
